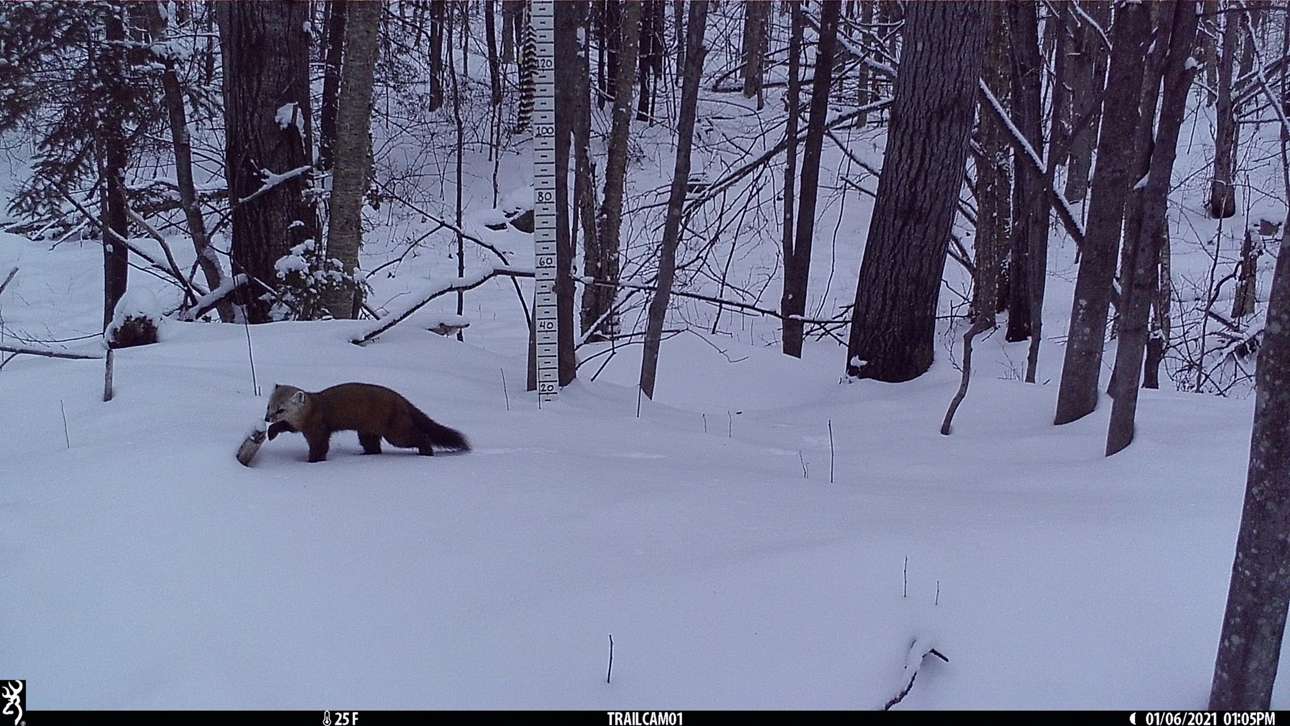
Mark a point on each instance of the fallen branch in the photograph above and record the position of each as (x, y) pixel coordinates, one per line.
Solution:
(174, 276)
(462, 284)
(443, 287)
(8, 278)
(47, 353)
(912, 666)
(212, 299)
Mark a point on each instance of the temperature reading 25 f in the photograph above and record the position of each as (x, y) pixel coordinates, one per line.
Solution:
(342, 718)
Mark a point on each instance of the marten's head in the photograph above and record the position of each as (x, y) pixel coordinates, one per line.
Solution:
(286, 403)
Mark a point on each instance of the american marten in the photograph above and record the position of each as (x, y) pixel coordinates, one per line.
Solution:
(372, 411)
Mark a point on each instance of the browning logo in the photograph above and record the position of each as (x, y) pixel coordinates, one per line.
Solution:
(14, 696)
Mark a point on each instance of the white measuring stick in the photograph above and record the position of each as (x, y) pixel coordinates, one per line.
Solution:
(544, 308)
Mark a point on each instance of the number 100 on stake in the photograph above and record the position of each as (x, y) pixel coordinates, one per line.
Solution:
(545, 320)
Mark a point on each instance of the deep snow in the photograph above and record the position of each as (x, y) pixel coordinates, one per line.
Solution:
(145, 568)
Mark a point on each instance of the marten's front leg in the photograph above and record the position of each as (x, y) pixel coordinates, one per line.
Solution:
(318, 444)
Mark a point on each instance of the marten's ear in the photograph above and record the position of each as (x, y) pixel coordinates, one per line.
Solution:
(298, 397)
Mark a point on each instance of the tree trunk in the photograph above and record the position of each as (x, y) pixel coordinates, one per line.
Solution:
(332, 71)
(1030, 236)
(1158, 339)
(893, 324)
(1222, 196)
(598, 301)
(695, 51)
(584, 188)
(1246, 277)
(756, 14)
(510, 8)
(352, 153)
(1086, 338)
(797, 265)
(1143, 250)
(1254, 622)
(438, 29)
(611, 34)
(114, 157)
(568, 17)
(178, 117)
(494, 67)
(1088, 70)
(265, 48)
(993, 181)
(648, 50)
(792, 101)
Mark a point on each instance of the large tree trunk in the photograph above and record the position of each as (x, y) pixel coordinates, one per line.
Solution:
(1112, 181)
(893, 323)
(114, 157)
(352, 153)
(1143, 250)
(993, 180)
(598, 301)
(265, 47)
(695, 51)
(568, 18)
(1030, 236)
(584, 187)
(177, 115)
(1249, 648)
(797, 264)
(1222, 195)
(332, 71)
(1088, 67)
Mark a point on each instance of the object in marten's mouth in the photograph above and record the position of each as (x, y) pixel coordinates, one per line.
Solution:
(251, 444)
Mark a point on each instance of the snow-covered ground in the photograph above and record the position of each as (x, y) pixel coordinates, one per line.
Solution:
(144, 567)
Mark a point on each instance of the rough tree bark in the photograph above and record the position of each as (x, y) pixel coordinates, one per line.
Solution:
(1246, 277)
(893, 323)
(352, 153)
(1222, 196)
(797, 260)
(993, 181)
(756, 15)
(1143, 250)
(598, 301)
(331, 82)
(265, 49)
(695, 51)
(792, 101)
(114, 156)
(177, 116)
(568, 18)
(1249, 647)
(1088, 66)
(1030, 236)
(1112, 181)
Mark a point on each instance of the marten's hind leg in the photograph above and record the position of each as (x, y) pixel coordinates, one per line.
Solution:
(371, 442)
(408, 436)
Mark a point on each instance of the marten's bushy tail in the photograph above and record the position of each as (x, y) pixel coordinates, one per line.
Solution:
(439, 435)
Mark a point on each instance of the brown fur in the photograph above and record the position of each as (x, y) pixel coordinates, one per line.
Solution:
(375, 412)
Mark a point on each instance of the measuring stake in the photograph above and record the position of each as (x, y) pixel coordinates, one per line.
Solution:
(544, 308)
